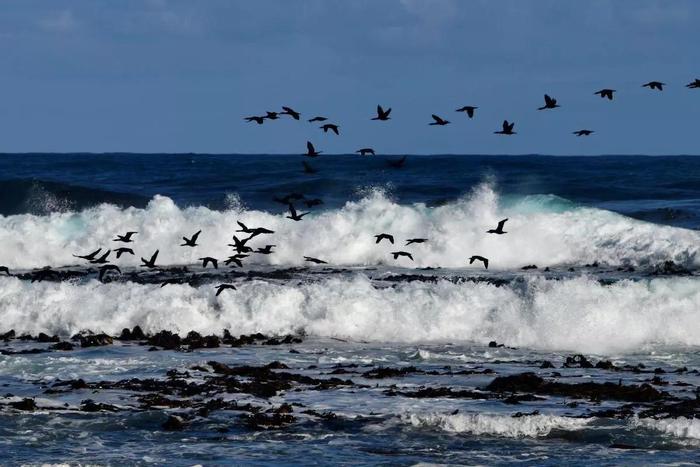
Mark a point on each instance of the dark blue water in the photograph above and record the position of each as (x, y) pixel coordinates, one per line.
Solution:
(657, 189)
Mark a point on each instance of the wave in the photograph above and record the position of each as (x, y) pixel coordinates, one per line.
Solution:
(544, 230)
(680, 427)
(577, 314)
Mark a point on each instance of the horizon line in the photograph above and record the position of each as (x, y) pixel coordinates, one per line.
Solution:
(189, 153)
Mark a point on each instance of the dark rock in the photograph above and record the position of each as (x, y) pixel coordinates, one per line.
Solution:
(382, 372)
(46, 338)
(606, 365)
(528, 267)
(174, 423)
(494, 344)
(577, 361)
(65, 345)
(165, 339)
(261, 421)
(8, 335)
(89, 405)
(95, 340)
(26, 404)
(547, 364)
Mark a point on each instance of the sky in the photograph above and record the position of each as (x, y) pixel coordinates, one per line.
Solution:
(179, 76)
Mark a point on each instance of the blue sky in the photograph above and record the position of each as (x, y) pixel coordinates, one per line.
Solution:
(178, 76)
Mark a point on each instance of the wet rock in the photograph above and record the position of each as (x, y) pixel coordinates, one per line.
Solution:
(383, 372)
(42, 337)
(494, 344)
(577, 361)
(528, 267)
(65, 345)
(174, 423)
(8, 335)
(88, 405)
(606, 365)
(136, 334)
(95, 340)
(262, 421)
(669, 268)
(546, 364)
(165, 339)
(26, 404)
(431, 393)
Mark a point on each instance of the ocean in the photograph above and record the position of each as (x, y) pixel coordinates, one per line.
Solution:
(579, 344)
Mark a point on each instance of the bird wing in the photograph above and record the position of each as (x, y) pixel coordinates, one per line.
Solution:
(243, 227)
(437, 119)
(335, 129)
(195, 236)
(505, 125)
(391, 238)
(292, 211)
(310, 147)
(500, 224)
(470, 112)
(510, 127)
(380, 111)
(486, 263)
(388, 111)
(153, 258)
(548, 100)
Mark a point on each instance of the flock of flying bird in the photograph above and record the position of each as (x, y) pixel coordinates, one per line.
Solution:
(240, 247)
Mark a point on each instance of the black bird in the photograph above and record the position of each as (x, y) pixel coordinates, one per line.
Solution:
(402, 253)
(549, 103)
(438, 121)
(317, 119)
(258, 120)
(90, 256)
(311, 150)
(291, 112)
(102, 259)
(365, 151)
(271, 115)
(499, 229)
(694, 85)
(313, 202)
(220, 288)
(5, 270)
(191, 242)
(240, 245)
(397, 163)
(253, 232)
(382, 114)
(293, 215)
(330, 126)
(314, 260)
(286, 199)
(126, 238)
(411, 241)
(121, 251)
(479, 258)
(468, 109)
(583, 132)
(105, 269)
(208, 259)
(307, 168)
(507, 129)
(151, 263)
(267, 250)
(235, 259)
(606, 93)
(43, 274)
(654, 85)
(383, 236)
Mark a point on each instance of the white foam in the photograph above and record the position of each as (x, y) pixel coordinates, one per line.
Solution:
(569, 314)
(541, 229)
(680, 427)
(527, 426)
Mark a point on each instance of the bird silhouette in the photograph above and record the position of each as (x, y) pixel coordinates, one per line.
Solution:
(603, 93)
(317, 119)
(654, 85)
(235, 259)
(291, 112)
(384, 236)
(5, 270)
(107, 268)
(221, 287)
(479, 258)
(499, 229)
(266, 250)
(253, 231)
(313, 202)
(311, 150)
(191, 242)
(438, 121)
(271, 116)
(256, 119)
(207, 260)
(411, 241)
(102, 259)
(126, 238)
(293, 215)
(151, 263)
(382, 114)
(468, 109)
(90, 256)
(549, 103)
(240, 245)
(330, 126)
(314, 260)
(694, 84)
(307, 168)
(583, 132)
(507, 129)
(122, 251)
(396, 163)
(365, 151)
(402, 253)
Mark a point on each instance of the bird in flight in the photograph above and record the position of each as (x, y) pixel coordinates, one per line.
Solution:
(382, 114)
(396, 163)
(402, 253)
(317, 119)
(291, 112)
(314, 260)
(151, 263)
(384, 236)
(499, 229)
(479, 258)
(411, 241)
(235, 259)
(468, 109)
(549, 103)
(583, 132)
(311, 150)
(240, 245)
(256, 119)
(122, 251)
(266, 250)
(606, 93)
(126, 238)
(272, 115)
(654, 85)
(253, 231)
(90, 256)
(105, 269)
(365, 151)
(438, 121)
(191, 242)
(207, 260)
(307, 168)
(293, 215)
(102, 259)
(5, 270)
(507, 129)
(693, 85)
(330, 126)
(220, 288)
